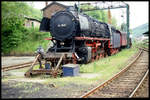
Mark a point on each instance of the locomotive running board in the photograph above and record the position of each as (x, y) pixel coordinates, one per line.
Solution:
(84, 38)
(90, 38)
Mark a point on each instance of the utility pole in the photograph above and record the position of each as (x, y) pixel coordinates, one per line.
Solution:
(128, 33)
(109, 17)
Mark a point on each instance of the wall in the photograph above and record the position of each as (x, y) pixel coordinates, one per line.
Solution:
(52, 9)
(28, 23)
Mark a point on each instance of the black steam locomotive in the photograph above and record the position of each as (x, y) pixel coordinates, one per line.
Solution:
(82, 35)
(78, 39)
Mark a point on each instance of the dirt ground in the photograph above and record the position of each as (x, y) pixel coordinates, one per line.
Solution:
(14, 89)
(15, 85)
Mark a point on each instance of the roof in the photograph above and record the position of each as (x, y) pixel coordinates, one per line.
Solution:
(29, 18)
(53, 4)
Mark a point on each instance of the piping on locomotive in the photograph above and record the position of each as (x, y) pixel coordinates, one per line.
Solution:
(80, 38)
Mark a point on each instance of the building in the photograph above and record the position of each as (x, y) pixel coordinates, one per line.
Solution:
(48, 11)
(31, 22)
(52, 8)
(146, 33)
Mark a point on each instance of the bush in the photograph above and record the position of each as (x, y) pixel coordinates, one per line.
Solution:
(14, 34)
(32, 40)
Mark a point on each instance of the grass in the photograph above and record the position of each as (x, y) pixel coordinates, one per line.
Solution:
(33, 40)
(107, 65)
(104, 68)
(113, 61)
(142, 43)
(36, 67)
(29, 47)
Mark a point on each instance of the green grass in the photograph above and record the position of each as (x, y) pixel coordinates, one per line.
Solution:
(113, 61)
(144, 43)
(105, 68)
(29, 47)
(38, 66)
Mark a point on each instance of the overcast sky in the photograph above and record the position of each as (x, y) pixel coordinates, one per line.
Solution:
(139, 12)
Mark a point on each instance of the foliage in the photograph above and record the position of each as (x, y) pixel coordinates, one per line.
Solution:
(100, 15)
(12, 24)
(142, 44)
(114, 22)
(123, 27)
(97, 14)
(34, 13)
(13, 31)
(32, 39)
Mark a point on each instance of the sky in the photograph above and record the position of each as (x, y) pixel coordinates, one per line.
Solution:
(139, 11)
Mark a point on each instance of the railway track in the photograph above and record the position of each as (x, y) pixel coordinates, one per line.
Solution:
(125, 83)
(18, 66)
(143, 89)
(135, 92)
(142, 48)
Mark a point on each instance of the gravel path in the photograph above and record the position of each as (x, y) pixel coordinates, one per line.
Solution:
(8, 61)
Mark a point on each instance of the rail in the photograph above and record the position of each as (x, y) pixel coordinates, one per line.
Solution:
(137, 87)
(18, 66)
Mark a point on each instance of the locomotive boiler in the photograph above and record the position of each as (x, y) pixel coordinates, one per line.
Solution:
(67, 24)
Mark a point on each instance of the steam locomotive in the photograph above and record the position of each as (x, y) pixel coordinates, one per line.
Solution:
(81, 37)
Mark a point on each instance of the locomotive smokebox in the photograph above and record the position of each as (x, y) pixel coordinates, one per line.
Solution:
(62, 25)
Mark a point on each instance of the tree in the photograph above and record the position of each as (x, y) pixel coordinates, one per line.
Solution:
(100, 15)
(12, 24)
(123, 27)
(114, 22)
(13, 31)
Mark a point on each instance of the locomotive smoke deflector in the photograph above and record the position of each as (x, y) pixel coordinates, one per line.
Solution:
(84, 23)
